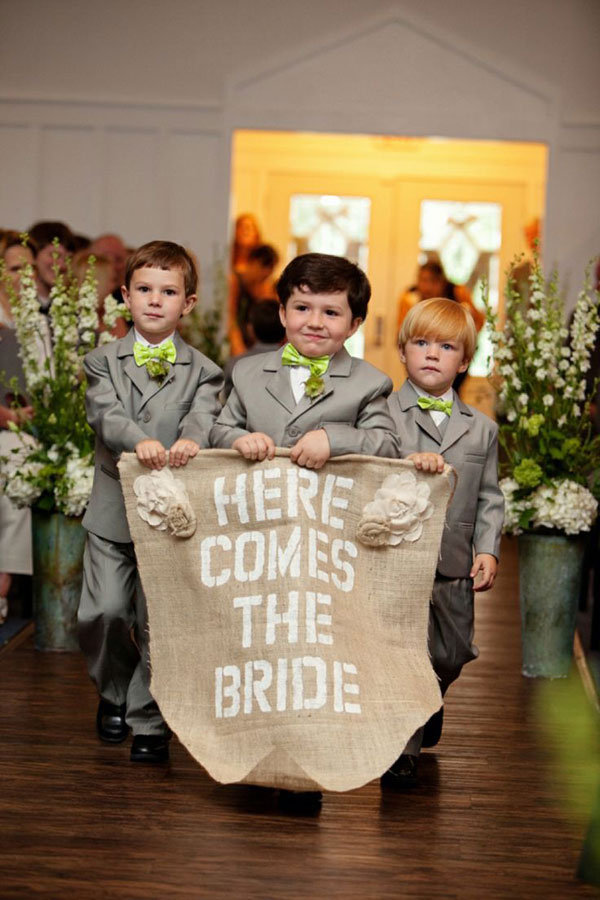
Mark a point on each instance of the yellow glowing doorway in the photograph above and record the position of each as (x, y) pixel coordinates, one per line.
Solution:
(377, 199)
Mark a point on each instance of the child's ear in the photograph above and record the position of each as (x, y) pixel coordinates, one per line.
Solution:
(464, 365)
(125, 295)
(402, 354)
(356, 323)
(282, 314)
(189, 304)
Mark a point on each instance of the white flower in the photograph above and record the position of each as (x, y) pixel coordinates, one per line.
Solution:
(402, 505)
(163, 502)
(523, 399)
(547, 399)
(566, 506)
(511, 415)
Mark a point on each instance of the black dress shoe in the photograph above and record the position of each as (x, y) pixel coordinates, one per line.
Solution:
(304, 803)
(402, 775)
(432, 731)
(110, 722)
(150, 748)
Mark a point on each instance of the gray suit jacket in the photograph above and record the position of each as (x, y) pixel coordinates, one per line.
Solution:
(352, 408)
(470, 444)
(124, 406)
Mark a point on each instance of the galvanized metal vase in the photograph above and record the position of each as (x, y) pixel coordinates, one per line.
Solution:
(550, 568)
(58, 543)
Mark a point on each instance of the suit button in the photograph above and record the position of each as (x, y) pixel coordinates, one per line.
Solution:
(147, 415)
(293, 431)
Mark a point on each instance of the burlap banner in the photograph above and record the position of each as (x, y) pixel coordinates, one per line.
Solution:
(288, 611)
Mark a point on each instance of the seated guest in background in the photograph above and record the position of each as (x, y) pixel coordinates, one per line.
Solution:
(267, 332)
(15, 256)
(432, 282)
(112, 247)
(43, 234)
(247, 287)
(15, 524)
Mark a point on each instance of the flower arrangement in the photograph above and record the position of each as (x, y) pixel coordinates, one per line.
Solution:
(52, 468)
(541, 376)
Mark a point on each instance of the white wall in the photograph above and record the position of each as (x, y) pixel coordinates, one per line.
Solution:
(118, 115)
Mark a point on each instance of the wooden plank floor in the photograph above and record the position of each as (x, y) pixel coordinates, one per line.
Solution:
(78, 820)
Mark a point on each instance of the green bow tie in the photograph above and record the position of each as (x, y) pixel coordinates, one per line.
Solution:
(318, 365)
(155, 358)
(433, 403)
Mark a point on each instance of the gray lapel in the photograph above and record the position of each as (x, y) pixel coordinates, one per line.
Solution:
(278, 386)
(458, 424)
(136, 374)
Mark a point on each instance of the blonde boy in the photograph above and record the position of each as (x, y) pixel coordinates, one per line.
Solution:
(152, 394)
(437, 341)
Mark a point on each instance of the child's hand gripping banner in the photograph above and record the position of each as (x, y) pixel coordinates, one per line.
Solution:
(288, 611)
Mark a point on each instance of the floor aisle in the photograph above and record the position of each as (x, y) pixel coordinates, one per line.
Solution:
(78, 820)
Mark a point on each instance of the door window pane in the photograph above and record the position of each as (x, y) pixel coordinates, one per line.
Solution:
(466, 239)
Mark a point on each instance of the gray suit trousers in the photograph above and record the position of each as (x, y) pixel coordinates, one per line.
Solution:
(451, 630)
(113, 632)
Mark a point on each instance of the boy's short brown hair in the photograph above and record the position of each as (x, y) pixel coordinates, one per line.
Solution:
(322, 273)
(440, 319)
(164, 255)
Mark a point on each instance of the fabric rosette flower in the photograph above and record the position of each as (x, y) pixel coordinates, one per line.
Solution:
(397, 512)
(163, 503)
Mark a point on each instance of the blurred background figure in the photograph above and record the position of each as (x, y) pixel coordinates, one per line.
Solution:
(15, 257)
(432, 282)
(15, 524)
(246, 235)
(252, 284)
(42, 235)
(112, 247)
(266, 331)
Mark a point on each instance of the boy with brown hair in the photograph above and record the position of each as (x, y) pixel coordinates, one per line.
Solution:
(152, 394)
(437, 341)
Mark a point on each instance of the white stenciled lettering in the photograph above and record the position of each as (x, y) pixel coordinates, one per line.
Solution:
(238, 498)
(289, 618)
(337, 548)
(208, 579)
(313, 618)
(284, 560)
(246, 604)
(299, 667)
(227, 692)
(341, 687)
(256, 687)
(316, 556)
(332, 501)
(262, 493)
(241, 571)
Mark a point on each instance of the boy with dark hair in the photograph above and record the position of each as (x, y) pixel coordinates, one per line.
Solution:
(153, 394)
(312, 395)
(437, 342)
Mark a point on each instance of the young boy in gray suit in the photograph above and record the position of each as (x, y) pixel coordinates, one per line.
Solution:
(153, 394)
(311, 395)
(437, 341)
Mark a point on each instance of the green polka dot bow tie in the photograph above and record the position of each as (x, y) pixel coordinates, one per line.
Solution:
(318, 365)
(155, 358)
(433, 403)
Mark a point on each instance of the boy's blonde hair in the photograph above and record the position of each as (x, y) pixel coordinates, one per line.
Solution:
(440, 319)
